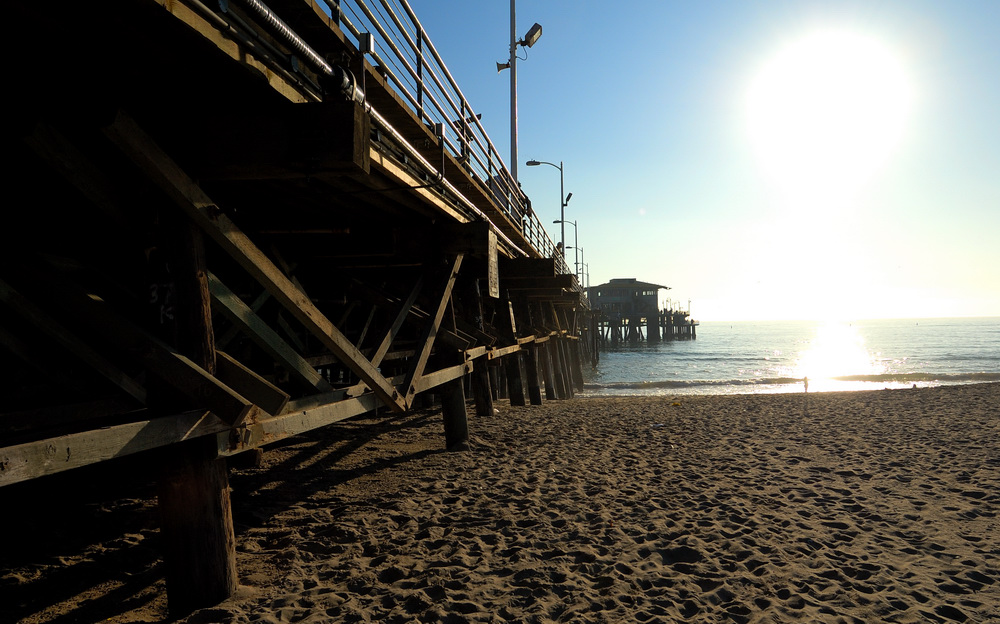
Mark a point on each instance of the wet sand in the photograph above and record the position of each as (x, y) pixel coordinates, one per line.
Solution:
(854, 507)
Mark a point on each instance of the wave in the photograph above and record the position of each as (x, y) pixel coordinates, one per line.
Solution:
(898, 378)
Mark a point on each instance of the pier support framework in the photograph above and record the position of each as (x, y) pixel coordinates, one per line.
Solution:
(230, 252)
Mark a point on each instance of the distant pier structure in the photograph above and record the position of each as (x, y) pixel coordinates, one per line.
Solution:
(628, 311)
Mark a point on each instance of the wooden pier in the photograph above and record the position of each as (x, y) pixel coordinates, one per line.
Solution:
(239, 222)
(627, 311)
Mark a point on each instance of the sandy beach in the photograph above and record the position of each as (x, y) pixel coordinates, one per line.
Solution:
(854, 507)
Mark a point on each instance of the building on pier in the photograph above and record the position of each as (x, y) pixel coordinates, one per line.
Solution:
(629, 311)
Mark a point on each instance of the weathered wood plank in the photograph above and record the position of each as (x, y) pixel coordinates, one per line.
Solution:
(44, 457)
(502, 351)
(442, 376)
(295, 422)
(249, 384)
(261, 333)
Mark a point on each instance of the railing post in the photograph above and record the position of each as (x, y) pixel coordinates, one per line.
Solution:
(420, 70)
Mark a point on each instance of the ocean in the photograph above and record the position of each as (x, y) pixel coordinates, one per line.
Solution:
(775, 356)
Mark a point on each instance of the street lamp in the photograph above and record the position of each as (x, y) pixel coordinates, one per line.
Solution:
(562, 202)
(530, 39)
(576, 242)
(580, 249)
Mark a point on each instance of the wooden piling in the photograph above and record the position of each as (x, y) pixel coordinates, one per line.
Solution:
(545, 357)
(456, 419)
(481, 391)
(199, 543)
(531, 366)
(563, 390)
(515, 389)
(577, 370)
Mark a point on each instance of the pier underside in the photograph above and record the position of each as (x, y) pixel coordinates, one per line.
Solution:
(209, 247)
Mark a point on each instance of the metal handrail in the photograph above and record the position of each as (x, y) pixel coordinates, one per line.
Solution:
(431, 91)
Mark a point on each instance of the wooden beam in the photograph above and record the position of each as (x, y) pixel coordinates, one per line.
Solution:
(170, 178)
(310, 139)
(293, 422)
(527, 267)
(51, 455)
(397, 323)
(263, 393)
(442, 376)
(261, 333)
(426, 342)
(555, 282)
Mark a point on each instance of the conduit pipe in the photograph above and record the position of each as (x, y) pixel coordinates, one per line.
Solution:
(343, 80)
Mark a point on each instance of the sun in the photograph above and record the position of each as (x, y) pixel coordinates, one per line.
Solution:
(825, 112)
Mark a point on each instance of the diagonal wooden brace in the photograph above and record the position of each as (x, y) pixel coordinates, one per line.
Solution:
(184, 192)
(430, 332)
(266, 338)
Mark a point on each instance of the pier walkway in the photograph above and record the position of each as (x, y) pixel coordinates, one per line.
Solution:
(232, 222)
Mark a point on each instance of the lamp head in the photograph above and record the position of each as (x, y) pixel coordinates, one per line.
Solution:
(568, 198)
(534, 34)
(533, 163)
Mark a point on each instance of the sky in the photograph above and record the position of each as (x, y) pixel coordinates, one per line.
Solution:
(765, 160)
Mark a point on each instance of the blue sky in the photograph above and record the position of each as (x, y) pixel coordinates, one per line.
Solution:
(646, 104)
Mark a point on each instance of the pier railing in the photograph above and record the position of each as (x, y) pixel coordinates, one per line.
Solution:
(390, 33)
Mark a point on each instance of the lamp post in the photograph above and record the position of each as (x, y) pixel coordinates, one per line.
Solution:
(562, 202)
(580, 249)
(576, 248)
(534, 33)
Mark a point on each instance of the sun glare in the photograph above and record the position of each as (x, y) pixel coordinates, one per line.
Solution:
(825, 112)
(837, 351)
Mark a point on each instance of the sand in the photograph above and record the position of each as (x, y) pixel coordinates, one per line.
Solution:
(858, 507)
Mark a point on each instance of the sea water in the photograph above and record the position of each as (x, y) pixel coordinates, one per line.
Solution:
(777, 356)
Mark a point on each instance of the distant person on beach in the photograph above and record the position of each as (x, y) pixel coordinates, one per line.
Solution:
(805, 382)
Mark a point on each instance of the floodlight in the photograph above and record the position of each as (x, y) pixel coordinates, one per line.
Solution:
(366, 43)
(568, 196)
(534, 34)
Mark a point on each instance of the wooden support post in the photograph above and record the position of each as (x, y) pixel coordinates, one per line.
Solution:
(481, 391)
(456, 421)
(575, 365)
(596, 347)
(199, 543)
(567, 367)
(496, 381)
(547, 373)
(558, 368)
(531, 365)
(515, 390)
